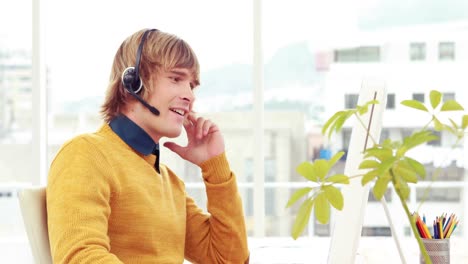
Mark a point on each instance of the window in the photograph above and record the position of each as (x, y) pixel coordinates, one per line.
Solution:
(292, 103)
(376, 231)
(446, 51)
(321, 229)
(418, 97)
(417, 51)
(384, 134)
(15, 94)
(351, 100)
(387, 195)
(448, 96)
(451, 172)
(271, 193)
(248, 200)
(390, 101)
(16, 115)
(346, 137)
(439, 195)
(437, 142)
(360, 54)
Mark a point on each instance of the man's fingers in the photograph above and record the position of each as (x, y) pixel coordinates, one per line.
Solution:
(191, 117)
(199, 126)
(207, 124)
(175, 148)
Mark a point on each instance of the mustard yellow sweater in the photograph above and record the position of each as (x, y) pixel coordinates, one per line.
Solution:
(107, 204)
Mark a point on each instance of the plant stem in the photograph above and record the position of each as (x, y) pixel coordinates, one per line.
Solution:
(355, 176)
(428, 123)
(422, 248)
(366, 128)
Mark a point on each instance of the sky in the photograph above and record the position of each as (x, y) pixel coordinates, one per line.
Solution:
(205, 23)
(81, 37)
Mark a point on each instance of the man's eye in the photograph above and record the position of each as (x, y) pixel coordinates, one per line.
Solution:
(175, 79)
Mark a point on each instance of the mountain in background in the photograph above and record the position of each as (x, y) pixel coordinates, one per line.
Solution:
(293, 64)
(290, 78)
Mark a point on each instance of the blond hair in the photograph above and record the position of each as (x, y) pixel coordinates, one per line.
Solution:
(161, 51)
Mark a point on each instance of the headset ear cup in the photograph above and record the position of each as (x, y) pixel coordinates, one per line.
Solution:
(130, 81)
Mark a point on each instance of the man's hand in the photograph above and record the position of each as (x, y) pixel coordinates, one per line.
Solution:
(204, 140)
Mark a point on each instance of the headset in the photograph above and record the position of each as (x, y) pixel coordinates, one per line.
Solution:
(131, 79)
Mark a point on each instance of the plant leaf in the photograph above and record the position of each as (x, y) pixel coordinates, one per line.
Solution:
(387, 143)
(369, 176)
(404, 189)
(438, 126)
(454, 125)
(371, 102)
(417, 167)
(405, 174)
(361, 109)
(368, 164)
(330, 123)
(401, 186)
(342, 119)
(380, 187)
(334, 196)
(298, 195)
(335, 158)
(321, 168)
(338, 178)
(464, 121)
(302, 218)
(418, 138)
(365, 107)
(307, 170)
(415, 104)
(451, 105)
(435, 97)
(322, 208)
(386, 165)
(378, 153)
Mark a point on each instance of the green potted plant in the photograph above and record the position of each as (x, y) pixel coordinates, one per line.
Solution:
(384, 163)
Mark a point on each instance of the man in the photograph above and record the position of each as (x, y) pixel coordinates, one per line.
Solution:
(108, 198)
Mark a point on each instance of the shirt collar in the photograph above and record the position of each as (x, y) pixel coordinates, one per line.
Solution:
(134, 135)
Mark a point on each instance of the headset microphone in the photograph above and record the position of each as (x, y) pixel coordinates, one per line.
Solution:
(131, 79)
(151, 108)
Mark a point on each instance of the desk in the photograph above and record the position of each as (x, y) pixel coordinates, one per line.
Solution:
(283, 250)
(372, 250)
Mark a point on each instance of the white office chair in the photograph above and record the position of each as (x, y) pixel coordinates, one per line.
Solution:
(33, 208)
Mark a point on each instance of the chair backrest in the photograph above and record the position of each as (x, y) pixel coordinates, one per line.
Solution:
(33, 208)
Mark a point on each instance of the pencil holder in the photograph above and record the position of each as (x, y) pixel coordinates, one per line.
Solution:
(438, 250)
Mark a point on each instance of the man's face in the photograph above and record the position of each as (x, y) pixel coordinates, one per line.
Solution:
(173, 96)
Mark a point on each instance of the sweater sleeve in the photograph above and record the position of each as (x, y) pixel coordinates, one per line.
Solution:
(78, 205)
(220, 236)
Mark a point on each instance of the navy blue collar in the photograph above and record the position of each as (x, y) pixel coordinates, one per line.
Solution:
(135, 137)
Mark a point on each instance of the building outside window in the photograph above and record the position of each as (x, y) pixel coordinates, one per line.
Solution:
(384, 134)
(448, 96)
(418, 97)
(359, 54)
(390, 101)
(452, 194)
(417, 51)
(446, 51)
(351, 100)
(437, 142)
(376, 231)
